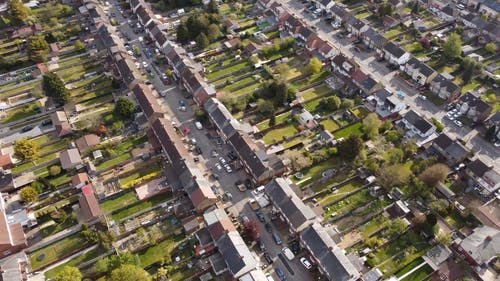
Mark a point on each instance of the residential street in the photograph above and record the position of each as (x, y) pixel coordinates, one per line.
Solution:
(489, 153)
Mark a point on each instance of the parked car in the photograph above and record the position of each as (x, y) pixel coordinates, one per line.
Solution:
(26, 129)
(222, 160)
(280, 273)
(261, 217)
(47, 122)
(244, 218)
(268, 227)
(305, 262)
(288, 253)
(295, 247)
(198, 125)
(198, 150)
(458, 123)
(218, 166)
(228, 168)
(219, 141)
(268, 258)
(277, 238)
(262, 246)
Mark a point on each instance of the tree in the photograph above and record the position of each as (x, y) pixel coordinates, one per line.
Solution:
(25, 150)
(213, 32)
(418, 221)
(315, 65)
(298, 160)
(371, 125)
(283, 70)
(396, 227)
(391, 175)
(409, 147)
(351, 147)
(470, 66)
(331, 103)
(202, 41)
(28, 194)
(54, 87)
(347, 103)
(69, 273)
(124, 107)
(251, 230)
(37, 48)
(79, 46)
(440, 206)
(54, 170)
(434, 174)
(182, 33)
(394, 156)
(168, 72)
(212, 7)
(491, 47)
(18, 11)
(129, 272)
(384, 10)
(452, 48)
(443, 238)
(200, 114)
(265, 106)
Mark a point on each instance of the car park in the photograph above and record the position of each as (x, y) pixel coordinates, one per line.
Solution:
(305, 262)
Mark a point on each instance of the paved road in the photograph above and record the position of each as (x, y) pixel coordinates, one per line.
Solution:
(37, 130)
(367, 62)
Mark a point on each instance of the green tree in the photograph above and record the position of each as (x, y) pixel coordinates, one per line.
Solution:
(28, 194)
(409, 147)
(298, 160)
(371, 125)
(79, 46)
(331, 103)
(18, 11)
(168, 72)
(470, 66)
(351, 147)
(315, 65)
(394, 156)
(26, 150)
(69, 273)
(202, 41)
(213, 32)
(452, 48)
(415, 8)
(443, 238)
(396, 227)
(212, 7)
(434, 174)
(347, 103)
(129, 272)
(390, 175)
(182, 33)
(37, 48)
(54, 87)
(283, 70)
(54, 170)
(124, 107)
(265, 106)
(200, 114)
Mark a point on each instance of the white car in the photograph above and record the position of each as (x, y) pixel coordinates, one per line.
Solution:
(198, 125)
(138, 65)
(458, 123)
(218, 166)
(144, 64)
(422, 97)
(305, 263)
(228, 169)
(222, 160)
(130, 53)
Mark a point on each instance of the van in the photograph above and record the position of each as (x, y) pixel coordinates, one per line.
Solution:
(198, 125)
(277, 239)
(269, 277)
(288, 253)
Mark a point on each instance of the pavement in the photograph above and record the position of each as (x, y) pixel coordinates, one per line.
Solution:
(488, 153)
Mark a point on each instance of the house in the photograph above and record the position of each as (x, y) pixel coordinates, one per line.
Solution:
(364, 82)
(450, 150)
(292, 209)
(252, 49)
(395, 54)
(126, 70)
(473, 21)
(12, 239)
(489, 7)
(70, 158)
(233, 43)
(147, 102)
(492, 29)
(444, 88)
(80, 179)
(374, 40)
(331, 260)
(340, 13)
(387, 104)
(417, 126)
(326, 51)
(324, 4)
(6, 161)
(480, 247)
(89, 206)
(419, 71)
(61, 124)
(54, 49)
(225, 125)
(474, 107)
(306, 119)
(447, 13)
(343, 66)
(231, 25)
(15, 267)
(171, 143)
(494, 121)
(196, 85)
(484, 179)
(395, 4)
(87, 142)
(255, 160)
(143, 15)
(313, 43)
(390, 22)
(356, 26)
(7, 183)
(237, 257)
(197, 187)
(134, 5)
(303, 34)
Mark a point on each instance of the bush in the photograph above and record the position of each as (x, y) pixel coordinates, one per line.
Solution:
(439, 125)
(54, 170)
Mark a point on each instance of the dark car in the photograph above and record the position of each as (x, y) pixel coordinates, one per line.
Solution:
(248, 183)
(219, 141)
(280, 274)
(231, 156)
(262, 246)
(26, 129)
(198, 150)
(269, 228)
(47, 122)
(268, 258)
(295, 247)
(261, 217)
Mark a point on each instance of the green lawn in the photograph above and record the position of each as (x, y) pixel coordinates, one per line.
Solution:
(420, 274)
(373, 225)
(57, 250)
(20, 112)
(279, 119)
(55, 227)
(40, 161)
(409, 267)
(312, 104)
(276, 135)
(125, 199)
(114, 161)
(41, 140)
(157, 252)
(347, 131)
(330, 125)
(73, 262)
(354, 201)
(312, 79)
(247, 90)
(295, 141)
(315, 171)
(60, 180)
(59, 145)
(147, 171)
(238, 84)
(471, 86)
(21, 89)
(141, 206)
(341, 191)
(315, 92)
(229, 69)
(360, 112)
(493, 100)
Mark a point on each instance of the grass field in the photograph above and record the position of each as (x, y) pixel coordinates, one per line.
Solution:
(279, 119)
(73, 262)
(125, 199)
(145, 171)
(330, 125)
(20, 112)
(276, 135)
(156, 253)
(350, 130)
(227, 70)
(315, 92)
(341, 191)
(142, 206)
(350, 203)
(57, 250)
(114, 161)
